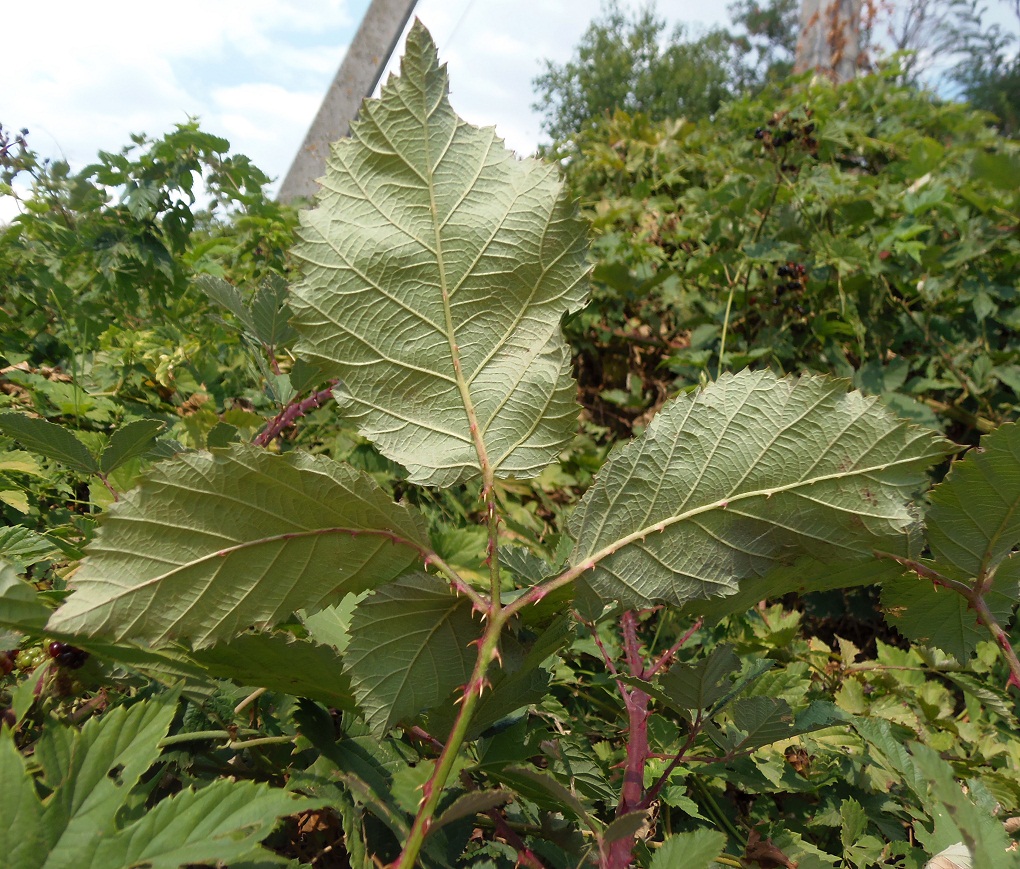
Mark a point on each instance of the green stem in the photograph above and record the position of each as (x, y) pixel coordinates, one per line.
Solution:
(432, 790)
(197, 735)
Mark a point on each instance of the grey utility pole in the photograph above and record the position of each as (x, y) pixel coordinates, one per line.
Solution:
(357, 77)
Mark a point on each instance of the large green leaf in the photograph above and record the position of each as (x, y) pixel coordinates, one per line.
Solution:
(213, 543)
(409, 648)
(746, 476)
(437, 268)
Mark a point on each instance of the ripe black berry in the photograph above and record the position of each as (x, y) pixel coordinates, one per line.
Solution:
(67, 655)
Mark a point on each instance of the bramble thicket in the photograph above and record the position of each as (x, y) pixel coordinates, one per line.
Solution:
(654, 508)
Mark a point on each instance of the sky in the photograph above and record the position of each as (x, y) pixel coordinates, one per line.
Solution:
(84, 76)
(255, 71)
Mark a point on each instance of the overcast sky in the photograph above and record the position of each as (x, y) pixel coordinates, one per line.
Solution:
(83, 76)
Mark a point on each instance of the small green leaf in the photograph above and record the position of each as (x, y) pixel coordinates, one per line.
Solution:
(133, 439)
(22, 547)
(49, 439)
(270, 316)
(20, 607)
(410, 647)
(699, 685)
(470, 804)
(696, 850)
(625, 827)
(853, 823)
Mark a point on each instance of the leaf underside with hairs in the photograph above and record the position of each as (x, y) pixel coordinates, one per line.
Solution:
(214, 543)
(437, 268)
(410, 647)
(744, 477)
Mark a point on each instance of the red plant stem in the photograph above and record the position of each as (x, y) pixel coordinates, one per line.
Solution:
(291, 413)
(666, 658)
(620, 853)
(985, 616)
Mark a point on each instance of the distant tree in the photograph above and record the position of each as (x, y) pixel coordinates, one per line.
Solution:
(765, 39)
(988, 71)
(623, 62)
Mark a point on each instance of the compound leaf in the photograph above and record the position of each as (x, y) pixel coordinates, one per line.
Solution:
(437, 268)
(92, 772)
(409, 648)
(213, 543)
(49, 439)
(744, 477)
(222, 822)
(694, 850)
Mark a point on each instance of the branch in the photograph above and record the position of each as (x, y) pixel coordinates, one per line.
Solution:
(291, 413)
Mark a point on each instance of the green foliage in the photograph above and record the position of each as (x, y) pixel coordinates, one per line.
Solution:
(865, 230)
(457, 665)
(89, 816)
(621, 64)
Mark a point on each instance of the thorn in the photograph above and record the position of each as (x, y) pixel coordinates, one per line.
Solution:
(497, 656)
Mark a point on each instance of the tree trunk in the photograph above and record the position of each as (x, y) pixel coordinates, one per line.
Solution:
(830, 38)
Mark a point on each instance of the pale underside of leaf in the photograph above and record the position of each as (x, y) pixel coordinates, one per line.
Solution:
(214, 543)
(409, 648)
(745, 476)
(437, 269)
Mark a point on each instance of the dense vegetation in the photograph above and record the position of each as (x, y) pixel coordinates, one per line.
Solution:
(681, 660)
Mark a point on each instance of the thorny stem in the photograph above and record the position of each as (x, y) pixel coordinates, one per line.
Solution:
(492, 611)
(291, 413)
(619, 854)
(975, 598)
(666, 658)
(432, 790)
(103, 479)
(984, 615)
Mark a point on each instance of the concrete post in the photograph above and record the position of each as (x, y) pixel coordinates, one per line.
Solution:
(357, 77)
(829, 38)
